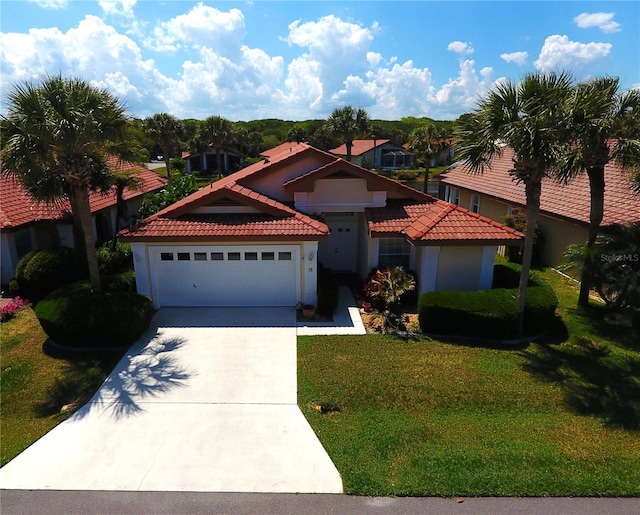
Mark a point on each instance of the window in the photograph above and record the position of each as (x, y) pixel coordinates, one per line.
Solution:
(393, 252)
(268, 256)
(184, 256)
(217, 256)
(23, 242)
(199, 256)
(284, 256)
(475, 203)
(166, 256)
(233, 256)
(250, 256)
(452, 195)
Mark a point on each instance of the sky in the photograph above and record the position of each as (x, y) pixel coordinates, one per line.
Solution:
(300, 60)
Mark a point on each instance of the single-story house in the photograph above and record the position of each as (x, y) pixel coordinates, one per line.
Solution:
(27, 225)
(258, 236)
(564, 208)
(207, 161)
(379, 154)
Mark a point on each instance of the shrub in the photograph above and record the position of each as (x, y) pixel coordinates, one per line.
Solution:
(123, 282)
(385, 290)
(114, 260)
(514, 253)
(406, 175)
(490, 314)
(48, 269)
(75, 316)
(328, 292)
(12, 308)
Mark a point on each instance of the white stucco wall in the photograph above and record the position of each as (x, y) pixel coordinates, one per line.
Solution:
(459, 268)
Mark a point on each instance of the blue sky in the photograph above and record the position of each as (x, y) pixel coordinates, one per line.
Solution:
(299, 60)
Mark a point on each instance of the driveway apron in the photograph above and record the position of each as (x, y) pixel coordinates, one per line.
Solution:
(205, 401)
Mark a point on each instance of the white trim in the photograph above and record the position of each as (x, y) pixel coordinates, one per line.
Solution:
(429, 273)
(486, 269)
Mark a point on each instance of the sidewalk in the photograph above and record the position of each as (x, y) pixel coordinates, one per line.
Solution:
(346, 319)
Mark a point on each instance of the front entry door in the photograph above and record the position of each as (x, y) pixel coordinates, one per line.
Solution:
(339, 251)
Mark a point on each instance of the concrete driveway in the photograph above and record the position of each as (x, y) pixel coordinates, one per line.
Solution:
(205, 401)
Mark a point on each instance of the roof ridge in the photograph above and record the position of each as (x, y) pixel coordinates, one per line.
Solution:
(431, 222)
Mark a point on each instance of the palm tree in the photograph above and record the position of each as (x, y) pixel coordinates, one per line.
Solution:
(219, 133)
(166, 130)
(55, 137)
(348, 123)
(128, 179)
(526, 117)
(427, 141)
(603, 125)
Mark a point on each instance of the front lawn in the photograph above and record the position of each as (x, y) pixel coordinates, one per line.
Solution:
(422, 417)
(35, 386)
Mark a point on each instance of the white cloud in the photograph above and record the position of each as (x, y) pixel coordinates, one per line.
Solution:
(515, 57)
(201, 27)
(460, 47)
(604, 21)
(558, 52)
(461, 94)
(51, 4)
(118, 7)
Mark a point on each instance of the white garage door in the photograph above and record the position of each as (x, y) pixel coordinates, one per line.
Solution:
(225, 276)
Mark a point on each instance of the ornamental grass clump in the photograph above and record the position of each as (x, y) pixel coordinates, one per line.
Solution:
(11, 309)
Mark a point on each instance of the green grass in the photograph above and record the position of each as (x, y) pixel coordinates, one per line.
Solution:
(422, 417)
(35, 386)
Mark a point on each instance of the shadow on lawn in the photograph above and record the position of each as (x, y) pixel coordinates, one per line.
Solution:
(138, 376)
(593, 385)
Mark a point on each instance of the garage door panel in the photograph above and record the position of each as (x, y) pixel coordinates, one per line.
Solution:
(225, 276)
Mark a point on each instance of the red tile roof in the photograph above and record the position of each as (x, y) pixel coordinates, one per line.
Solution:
(570, 201)
(360, 146)
(274, 222)
(437, 222)
(18, 208)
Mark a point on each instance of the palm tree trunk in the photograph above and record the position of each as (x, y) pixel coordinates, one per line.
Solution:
(426, 175)
(81, 196)
(219, 160)
(596, 186)
(348, 144)
(533, 189)
(165, 155)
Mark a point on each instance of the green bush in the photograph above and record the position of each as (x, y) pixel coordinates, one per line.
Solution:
(42, 271)
(328, 292)
(489, 314)
(114, 260)
(75, 316)
(123, 282)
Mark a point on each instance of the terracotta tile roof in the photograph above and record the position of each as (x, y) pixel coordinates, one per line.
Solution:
(570, 201)
(375, 182)
(276, 219)
(360, 146)
(224, 226)
(18, 208)
(437, 222)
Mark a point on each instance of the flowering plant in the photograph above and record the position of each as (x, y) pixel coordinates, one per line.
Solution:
(11, 309)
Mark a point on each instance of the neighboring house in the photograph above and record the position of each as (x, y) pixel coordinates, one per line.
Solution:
(27, 225)
(207, 161)
(564, 208)
(258, 236)
(379, 154)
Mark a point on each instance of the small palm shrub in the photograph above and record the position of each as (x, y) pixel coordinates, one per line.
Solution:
(75, 316)
(385, 290)
(42, 271)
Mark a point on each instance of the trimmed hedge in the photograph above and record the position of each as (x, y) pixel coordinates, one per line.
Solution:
(328, 292)
(490, 314)
(42, 271)
(77, 317)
